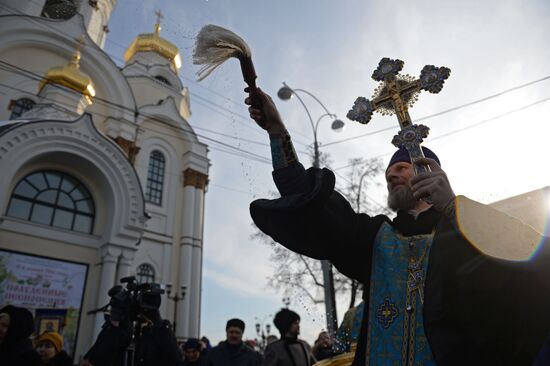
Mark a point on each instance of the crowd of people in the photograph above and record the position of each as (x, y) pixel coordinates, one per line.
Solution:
(285, 350)
(20, 345)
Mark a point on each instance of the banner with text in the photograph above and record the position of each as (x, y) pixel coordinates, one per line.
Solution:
(43, 283)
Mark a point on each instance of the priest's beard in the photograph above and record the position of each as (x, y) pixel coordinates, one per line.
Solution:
(402, 199)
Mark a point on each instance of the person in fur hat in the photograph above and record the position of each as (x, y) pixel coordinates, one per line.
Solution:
(233, 351)
(289, 350)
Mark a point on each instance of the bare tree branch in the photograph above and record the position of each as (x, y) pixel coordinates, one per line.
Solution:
(308, 268)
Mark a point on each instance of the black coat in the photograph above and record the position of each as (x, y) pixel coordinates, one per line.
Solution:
(200, 362)
(227, 355)
(478, 310)
(156, 346)
(19, 353)
(60, 359)
(16, 349)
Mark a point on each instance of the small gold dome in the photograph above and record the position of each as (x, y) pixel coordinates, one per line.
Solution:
(70, 76)
(153, 42)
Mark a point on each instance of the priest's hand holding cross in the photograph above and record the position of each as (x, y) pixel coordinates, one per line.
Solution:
(433, 184)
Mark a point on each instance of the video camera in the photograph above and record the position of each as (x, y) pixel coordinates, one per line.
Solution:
(135, 300)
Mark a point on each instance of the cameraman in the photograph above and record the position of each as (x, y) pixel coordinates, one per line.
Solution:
(134, 333)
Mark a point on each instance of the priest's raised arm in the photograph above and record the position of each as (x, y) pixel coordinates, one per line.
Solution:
(311, 218)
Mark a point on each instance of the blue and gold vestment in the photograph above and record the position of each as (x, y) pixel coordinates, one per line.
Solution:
(395, 334)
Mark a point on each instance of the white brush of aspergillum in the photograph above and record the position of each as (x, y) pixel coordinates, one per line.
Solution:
(214, 45)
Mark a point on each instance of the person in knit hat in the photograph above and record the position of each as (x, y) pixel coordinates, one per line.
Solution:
(16, 326)
(49, 346)
(289, 350)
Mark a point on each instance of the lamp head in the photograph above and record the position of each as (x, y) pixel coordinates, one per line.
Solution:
(285, 93)
(338, 125)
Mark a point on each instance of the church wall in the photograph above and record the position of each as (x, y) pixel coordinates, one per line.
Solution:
(167, 73)
(185, 262)
(33, 7)
(161, 216)
(152, 59)
(163, 226)
(26, 89)
(38, 45)
(96, 19)
(149, 91)
(155, 253)
(136, 67)
(143, 68)
(39, 61)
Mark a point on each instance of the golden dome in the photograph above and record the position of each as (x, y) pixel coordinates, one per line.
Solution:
(153, 42)
(71, 77)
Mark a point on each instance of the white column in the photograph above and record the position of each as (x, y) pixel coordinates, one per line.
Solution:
(196, 268)
(124, 264)
(182, 327)
(109, 258)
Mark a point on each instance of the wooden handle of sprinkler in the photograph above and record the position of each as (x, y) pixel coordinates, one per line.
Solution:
(249, 75)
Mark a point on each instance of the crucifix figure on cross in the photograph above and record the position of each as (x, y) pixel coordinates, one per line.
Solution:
(395, 95)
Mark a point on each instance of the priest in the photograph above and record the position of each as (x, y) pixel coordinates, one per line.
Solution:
(448, 281)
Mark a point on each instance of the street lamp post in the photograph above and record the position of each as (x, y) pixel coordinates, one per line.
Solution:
(176, 297)
(286, 301)
(285, 93)
(260, 331)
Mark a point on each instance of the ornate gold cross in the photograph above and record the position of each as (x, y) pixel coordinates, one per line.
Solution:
(395, 95)
(75, 60)
(159, 17)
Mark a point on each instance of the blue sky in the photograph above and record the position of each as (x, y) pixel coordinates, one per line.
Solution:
(330, 48)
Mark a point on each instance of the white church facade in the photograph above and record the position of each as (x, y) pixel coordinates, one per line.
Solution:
(101, 174)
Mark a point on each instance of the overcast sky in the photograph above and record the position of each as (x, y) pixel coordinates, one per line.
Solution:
(330, 48)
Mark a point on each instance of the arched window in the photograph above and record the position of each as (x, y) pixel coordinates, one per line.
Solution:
(55, 199)
(20, 106)
(163, 80)
(145, 273)
(155, 178)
